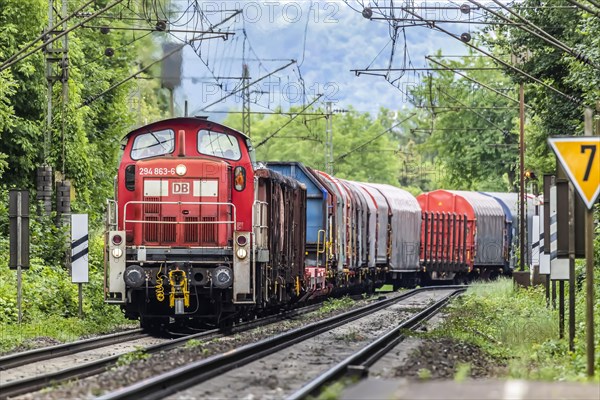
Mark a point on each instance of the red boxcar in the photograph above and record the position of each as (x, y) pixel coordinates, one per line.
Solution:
(461, 231)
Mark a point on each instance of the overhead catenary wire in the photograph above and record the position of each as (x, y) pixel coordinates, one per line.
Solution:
(543, 35)
(265, 140)
(586, 8)
(130, 77)
(245, 86)
(54, 27)
(454, 70)
(8, 64)
(374, 138)
(503, 130)
(572, 99)
(178, 48)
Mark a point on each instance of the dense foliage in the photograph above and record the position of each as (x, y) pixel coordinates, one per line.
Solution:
(472, 131)
(364, 147)
(84, 146)
(516, 326)
(552, 114)
(85, 138)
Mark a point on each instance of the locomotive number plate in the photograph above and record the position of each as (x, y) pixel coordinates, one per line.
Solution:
(156, 171)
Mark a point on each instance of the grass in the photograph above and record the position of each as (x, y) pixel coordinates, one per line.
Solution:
(385, 288)
(334, 390)
(137, 355)
(330, 305)
(56, 327)
(515, 326)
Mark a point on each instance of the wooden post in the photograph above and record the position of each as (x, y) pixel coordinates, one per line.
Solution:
(522, 217)
(572, 199)
(589, 268)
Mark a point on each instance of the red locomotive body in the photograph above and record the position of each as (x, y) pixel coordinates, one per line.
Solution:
(182, 237)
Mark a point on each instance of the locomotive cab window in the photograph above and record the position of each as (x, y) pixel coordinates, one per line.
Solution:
(218, 144)
(153, 144)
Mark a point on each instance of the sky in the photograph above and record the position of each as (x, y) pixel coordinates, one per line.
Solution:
(328, 39)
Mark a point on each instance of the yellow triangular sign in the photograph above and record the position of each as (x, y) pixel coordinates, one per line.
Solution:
(580, 157)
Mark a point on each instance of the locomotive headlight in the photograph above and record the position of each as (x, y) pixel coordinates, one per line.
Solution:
(180, 169)
(242, 240)
(117, 252)
(241, 253)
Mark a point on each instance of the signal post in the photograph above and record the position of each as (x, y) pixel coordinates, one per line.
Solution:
(580, 157)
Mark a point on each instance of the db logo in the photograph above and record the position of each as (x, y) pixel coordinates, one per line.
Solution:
(181, 188)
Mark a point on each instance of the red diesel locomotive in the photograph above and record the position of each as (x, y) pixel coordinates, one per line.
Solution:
(190, 209)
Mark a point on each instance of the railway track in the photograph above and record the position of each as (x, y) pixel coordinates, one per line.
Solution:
(200, 371)
(358, 363)
(35, 383)
(45, 353)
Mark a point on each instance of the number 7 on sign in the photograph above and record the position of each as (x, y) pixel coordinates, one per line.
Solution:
(580, 158)
(590, 162)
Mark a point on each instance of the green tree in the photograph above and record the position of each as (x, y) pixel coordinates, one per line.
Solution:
(552, 114)
(471, 130)
(364, 147)
(85, 135)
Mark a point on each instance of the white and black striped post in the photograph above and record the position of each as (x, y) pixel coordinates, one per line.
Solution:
(79, 254)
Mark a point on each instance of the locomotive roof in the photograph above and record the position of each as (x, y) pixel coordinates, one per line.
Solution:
(185, 120)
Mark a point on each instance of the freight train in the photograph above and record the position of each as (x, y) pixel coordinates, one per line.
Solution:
(200, 233)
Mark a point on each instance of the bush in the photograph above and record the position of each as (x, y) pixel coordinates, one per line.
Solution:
(50, 301)
(514, 324)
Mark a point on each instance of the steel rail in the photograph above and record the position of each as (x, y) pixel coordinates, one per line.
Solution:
(359, 362)
(44, 353)
(32, 384)
(15, 388)
(182, 378)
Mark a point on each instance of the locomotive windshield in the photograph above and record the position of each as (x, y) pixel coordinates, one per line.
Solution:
(153, 144)
(218, 144)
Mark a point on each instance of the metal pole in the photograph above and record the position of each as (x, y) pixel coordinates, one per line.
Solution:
(547, 285)
(554, 295)
(589, 268)
(51, 40)
(561, 309)
(571, 267)
(246, 100)
(19, 256)
(80, 300)
(49, 47)
(522, 178)
(329, 141)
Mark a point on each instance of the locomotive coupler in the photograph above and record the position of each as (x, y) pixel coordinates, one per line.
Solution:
(180, 295)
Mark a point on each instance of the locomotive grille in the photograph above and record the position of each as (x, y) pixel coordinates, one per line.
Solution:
(151, 230)
(151, 208)
(191, 230)
(169, 234)
(208, 232)
(151, 213)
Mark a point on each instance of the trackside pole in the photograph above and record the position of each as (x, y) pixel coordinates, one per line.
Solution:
(19, 258)
(80, 300)
(18, 213)
(589, 266)
(572, 200)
